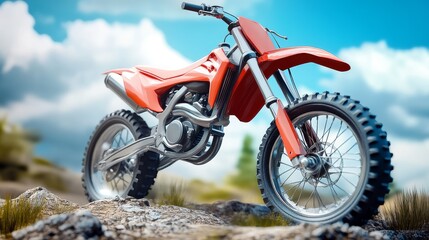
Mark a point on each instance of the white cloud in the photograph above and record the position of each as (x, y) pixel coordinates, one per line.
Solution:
(163, 9)
(404, 72)
(75, 98)
(394, 83)
(89, 49)
(17, 29)
(411, 162)
(67, 117)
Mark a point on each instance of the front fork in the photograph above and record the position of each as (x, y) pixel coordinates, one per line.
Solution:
(286, 129)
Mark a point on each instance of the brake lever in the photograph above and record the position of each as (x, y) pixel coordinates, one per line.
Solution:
(275, 33)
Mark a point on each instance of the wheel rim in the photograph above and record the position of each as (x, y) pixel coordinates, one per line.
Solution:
(330, 189)
(117, 180)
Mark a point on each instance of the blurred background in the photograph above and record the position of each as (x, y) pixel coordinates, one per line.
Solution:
(52, 95)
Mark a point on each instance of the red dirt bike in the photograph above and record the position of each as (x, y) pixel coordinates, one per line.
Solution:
(324, 158)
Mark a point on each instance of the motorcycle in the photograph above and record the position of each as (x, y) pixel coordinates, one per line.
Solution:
(323, 159)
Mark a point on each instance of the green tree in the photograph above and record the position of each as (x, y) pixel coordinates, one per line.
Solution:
(245, 177)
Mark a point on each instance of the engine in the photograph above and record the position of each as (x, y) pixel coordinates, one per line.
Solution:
(181, 133)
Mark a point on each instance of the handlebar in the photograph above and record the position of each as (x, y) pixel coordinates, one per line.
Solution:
(195, 8)
(215, 11)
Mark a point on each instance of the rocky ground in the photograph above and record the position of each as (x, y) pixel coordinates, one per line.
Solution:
(139, 219)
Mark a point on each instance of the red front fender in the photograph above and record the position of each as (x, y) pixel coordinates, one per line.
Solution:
(285, 58)
(247, 100)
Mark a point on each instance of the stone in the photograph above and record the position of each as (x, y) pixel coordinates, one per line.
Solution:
(130, 218)
(84, 225)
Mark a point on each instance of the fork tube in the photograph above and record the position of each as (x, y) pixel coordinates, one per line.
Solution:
(284, 125)
(284, 85)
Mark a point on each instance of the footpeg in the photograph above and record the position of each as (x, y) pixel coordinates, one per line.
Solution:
(217, 132)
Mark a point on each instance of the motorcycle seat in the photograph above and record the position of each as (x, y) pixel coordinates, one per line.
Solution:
(163, 74)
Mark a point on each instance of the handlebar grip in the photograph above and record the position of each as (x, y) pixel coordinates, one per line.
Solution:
(192, 7)
(195, 8)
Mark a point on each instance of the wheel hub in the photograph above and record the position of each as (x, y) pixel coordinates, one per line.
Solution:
(312, 166)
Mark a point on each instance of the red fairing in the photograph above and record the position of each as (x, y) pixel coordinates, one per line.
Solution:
(145, 85)
(247, 100)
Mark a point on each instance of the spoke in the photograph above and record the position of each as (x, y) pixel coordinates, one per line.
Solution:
(302, 135)
(116, 185)
(118, 137)
(128, 132)
(329, 130)
(305, 206)
(332, 188)
(346, 151)
(329, 183)
(287, 164)
(348, 195)
(128, 170)
(122, 139)
(284, 172)
(123, 180)
(305, 145)
(349, 149)
(349, 181)
(338, 136)
(342, 172)
(331, 144)
(295, 183)
(303, 186)
(288, 177)
(112, 185)
(317, 125)
(343, 158)
(310, 147)
(319, 199)
(340, 146)
(314, 199)
(344, 177)
(324, 128)
(338, 133)
(293, 194)
(115, 141)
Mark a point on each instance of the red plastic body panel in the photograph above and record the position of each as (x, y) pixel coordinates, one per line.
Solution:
(247, 101)
(145, 85)
(256, 35)
(287, 132)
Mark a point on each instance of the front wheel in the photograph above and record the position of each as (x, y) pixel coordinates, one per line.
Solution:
(350, 166)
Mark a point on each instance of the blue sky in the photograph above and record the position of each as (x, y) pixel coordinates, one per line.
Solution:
(52, 54)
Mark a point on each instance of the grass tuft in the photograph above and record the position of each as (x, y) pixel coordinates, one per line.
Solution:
(407, 211)
(174, 195)
(270, 220)
(16, 214)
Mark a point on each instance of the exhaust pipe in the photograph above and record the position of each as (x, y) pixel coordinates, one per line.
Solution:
(115, 82)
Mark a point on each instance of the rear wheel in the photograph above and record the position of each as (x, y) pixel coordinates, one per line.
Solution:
(348, 170)
(131, 177)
